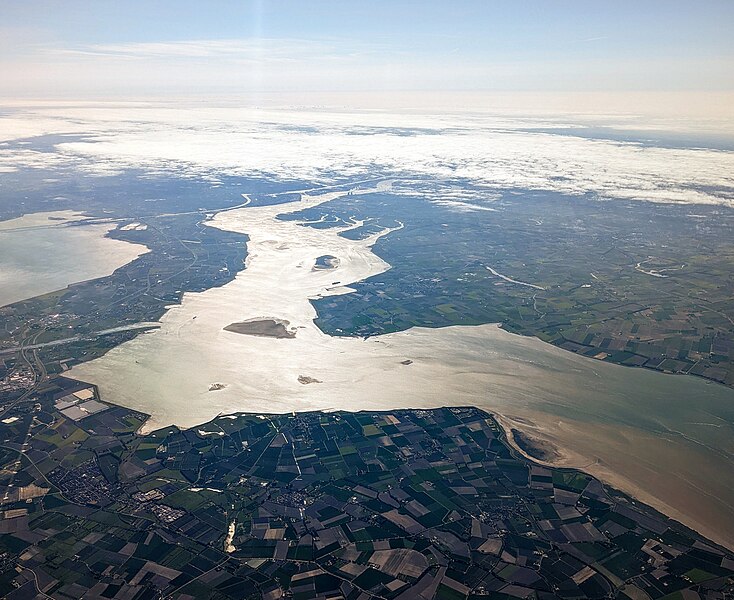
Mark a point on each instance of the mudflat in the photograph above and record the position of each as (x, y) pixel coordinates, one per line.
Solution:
(269, 328)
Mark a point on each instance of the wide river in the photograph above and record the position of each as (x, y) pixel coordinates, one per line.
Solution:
(43, 252)
(668, 440)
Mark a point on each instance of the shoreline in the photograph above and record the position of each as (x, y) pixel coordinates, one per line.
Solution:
(484, 366)
(82, 251)
(268, 328)
(567, 459)
(613, 485)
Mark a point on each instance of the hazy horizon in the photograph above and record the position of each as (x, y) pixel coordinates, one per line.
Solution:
(78, 49)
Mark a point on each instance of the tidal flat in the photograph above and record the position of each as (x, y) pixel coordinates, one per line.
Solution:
(273, 328)
(667, 440)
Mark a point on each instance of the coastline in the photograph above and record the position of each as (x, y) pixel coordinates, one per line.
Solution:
(567, 459)
(484, 366)
(49, 251)
(613, 484)
(446, 477)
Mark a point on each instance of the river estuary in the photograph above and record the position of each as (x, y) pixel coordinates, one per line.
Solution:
(667, 440)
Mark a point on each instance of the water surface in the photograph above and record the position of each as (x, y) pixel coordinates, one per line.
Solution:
(45, 252)
(668, 440)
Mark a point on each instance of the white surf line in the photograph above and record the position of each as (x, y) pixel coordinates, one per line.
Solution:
(515, 281)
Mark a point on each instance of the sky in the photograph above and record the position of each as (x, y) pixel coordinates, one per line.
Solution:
(105, 48)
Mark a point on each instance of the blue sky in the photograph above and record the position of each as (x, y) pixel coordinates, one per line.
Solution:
(52, 47)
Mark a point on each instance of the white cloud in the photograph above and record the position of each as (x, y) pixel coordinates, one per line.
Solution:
(260, 49)
(488, 151)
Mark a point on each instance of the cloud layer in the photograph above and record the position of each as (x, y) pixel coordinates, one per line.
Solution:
(488, 152)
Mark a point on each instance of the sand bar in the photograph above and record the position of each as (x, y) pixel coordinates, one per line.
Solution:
(269, 328)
